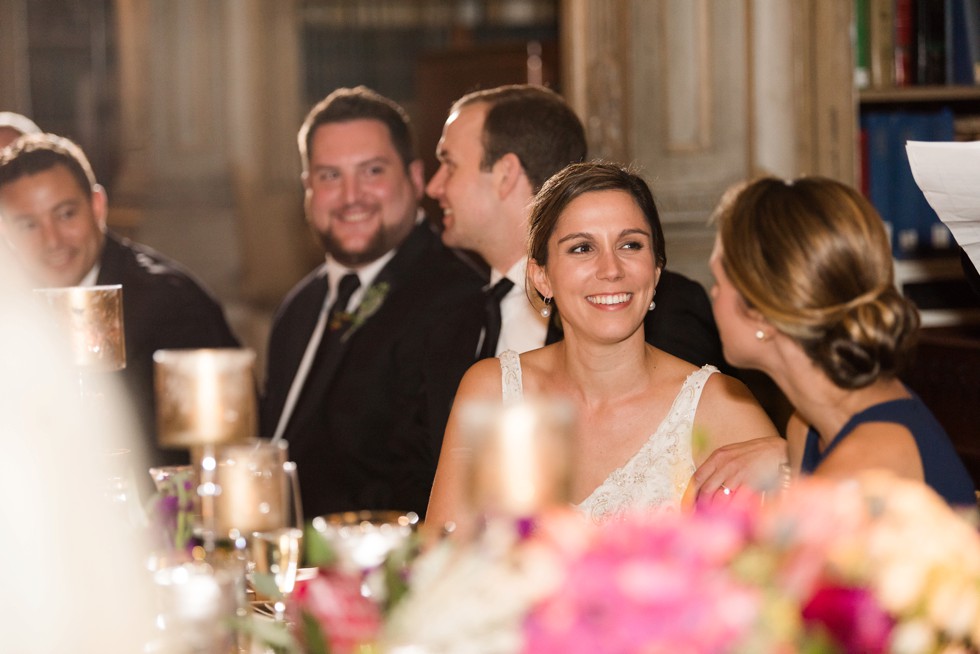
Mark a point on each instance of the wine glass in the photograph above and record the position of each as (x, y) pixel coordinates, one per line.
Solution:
(276, 552)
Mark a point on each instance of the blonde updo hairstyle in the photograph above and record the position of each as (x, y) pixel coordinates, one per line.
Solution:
(813, 258)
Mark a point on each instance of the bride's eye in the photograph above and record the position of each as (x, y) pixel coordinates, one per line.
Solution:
(580, 248)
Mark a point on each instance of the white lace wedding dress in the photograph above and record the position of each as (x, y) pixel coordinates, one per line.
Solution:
(658, 474)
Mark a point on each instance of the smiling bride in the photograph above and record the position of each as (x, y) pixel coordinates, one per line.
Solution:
(645, 419)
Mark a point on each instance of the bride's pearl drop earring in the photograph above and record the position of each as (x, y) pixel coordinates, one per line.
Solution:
(546, 309)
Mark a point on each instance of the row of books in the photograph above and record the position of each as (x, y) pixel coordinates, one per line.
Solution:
(916, 42)
(886, 178)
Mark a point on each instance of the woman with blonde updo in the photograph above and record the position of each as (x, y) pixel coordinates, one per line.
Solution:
(804, 291)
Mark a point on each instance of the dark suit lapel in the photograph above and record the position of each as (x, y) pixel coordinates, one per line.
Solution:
(306, 313)
(324, 371)
(110, 262)
(289, 339)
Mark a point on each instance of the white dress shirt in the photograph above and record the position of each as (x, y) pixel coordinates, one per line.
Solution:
(335, 272)
(522, 327)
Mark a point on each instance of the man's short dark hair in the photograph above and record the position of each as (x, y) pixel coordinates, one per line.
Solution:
(534, 123)
(360, 103)
(35, 153)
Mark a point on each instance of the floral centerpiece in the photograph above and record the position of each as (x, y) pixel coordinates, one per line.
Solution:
(172, 512)
(876, 564)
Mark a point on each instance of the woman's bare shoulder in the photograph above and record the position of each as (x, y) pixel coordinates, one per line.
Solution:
(668, 369)
(482, 379)
(538, 368)
(729, 409)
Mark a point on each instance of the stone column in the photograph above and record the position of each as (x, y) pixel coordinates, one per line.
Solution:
(210, 93)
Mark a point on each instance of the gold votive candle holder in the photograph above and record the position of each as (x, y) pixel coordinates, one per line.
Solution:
(250, 488)
(92, 320)
(520, 457)
(204, 397)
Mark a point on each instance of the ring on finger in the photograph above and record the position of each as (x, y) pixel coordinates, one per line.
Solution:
(726, 490)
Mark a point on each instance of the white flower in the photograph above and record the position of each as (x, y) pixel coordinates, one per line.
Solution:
(954, 606)
(913, 637)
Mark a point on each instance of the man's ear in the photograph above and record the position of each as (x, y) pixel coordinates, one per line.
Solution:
(539, 278)
(416, 173)
(305, 180)
(100, 205)
(508, 173)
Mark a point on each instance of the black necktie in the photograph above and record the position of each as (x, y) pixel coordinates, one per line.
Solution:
(336, 325)
(492, 307)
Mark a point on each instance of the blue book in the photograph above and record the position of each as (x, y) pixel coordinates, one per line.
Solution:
(925, 234)
(959, 60)
(972, 19)
(879, 152)
(914, 228)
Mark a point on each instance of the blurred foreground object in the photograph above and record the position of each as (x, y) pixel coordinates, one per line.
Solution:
(76, 581)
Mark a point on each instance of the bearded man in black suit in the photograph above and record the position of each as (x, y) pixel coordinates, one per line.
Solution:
(345, 350)
(54, 220)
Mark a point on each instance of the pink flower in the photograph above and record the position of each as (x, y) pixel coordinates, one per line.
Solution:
(333, 600)
(648, 586)
(852, 617)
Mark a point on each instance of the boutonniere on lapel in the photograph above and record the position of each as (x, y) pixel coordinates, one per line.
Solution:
(373, 298)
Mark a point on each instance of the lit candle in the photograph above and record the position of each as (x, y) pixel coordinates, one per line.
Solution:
(207, 398)
(520, 457)
(92, 317)
(204, 397)
(251, 487)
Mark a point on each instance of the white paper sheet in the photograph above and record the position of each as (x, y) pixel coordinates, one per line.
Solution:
(949, 175)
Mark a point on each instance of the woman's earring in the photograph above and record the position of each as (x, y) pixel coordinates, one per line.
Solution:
(546, 309)
(653, 305)
(760, 335)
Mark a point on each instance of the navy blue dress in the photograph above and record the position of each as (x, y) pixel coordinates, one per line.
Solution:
(943, 470)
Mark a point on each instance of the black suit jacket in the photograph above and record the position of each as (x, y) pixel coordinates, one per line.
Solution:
(682, 324)
(344, 424)
(164, 307)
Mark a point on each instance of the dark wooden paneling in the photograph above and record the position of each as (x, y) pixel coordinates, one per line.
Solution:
(946, 375)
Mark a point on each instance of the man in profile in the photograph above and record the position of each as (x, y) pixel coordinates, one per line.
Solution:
(346, 345)
(497, 149)
(54, 221)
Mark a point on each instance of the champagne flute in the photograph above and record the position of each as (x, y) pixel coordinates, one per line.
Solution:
(276, 552)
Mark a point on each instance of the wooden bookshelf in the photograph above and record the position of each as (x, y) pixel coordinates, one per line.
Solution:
(921, 94)
(913, 275)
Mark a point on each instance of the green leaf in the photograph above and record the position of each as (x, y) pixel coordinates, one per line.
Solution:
(272, 634)
(316, 642)
(265, 584)
(319, 553)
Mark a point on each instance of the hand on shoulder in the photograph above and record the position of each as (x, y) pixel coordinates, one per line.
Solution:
(739, 446)
(728, 413)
